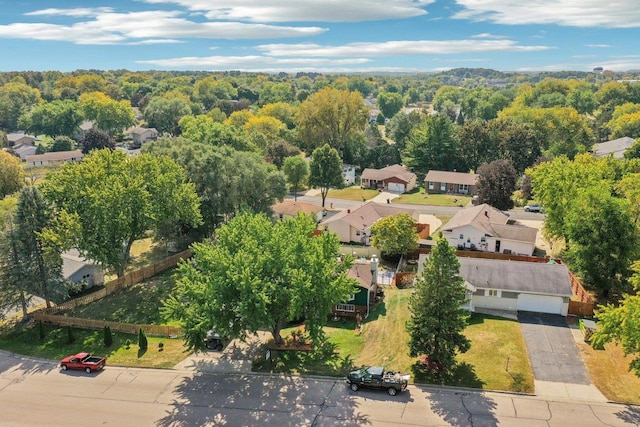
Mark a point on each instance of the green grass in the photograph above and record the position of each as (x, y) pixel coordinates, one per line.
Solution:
(419, 197)
(23, 339)
(353, 193)
(139, 303)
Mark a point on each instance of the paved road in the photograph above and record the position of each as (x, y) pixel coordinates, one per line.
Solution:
(36, 393)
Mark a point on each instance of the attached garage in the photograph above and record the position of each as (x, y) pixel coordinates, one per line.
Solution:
(395, 187)
(541, 304)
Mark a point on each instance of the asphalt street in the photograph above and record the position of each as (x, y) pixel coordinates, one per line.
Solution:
(37, 393)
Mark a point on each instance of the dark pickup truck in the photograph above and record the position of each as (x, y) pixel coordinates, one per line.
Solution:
(377, 377)
(84, 361)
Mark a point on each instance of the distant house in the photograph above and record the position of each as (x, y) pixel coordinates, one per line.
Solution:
(24, 150)
(485, 228)
(394, 178)
(141, 135)
(450, 182)
(82, 130)
(615, 148)
(355, 225)
(349, 174)
(76, 269)
(54, 158)
(514, 285)
(289, 208)
(366, 274)
(21, 138)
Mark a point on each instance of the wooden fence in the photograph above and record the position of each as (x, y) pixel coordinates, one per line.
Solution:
(584, 305)
(121, 283)
(128, 328)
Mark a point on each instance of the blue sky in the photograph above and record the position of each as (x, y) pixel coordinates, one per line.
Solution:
(320, 35)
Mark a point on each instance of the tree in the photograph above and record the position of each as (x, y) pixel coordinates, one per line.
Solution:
(296, 170)
(107, 336)
(108, 114)
(165, 114)
(16, 99)
(11, 174)
(15, 288)
(143, 343)
(117, 199)
(496, 183)
(277, 151)
(478, 143)
(325, 170)
(437, 319)
(53, 118)
(202, 128)
(95, 139)
(395, 235)
(62, 143)
(330, 116)
(433, 145)
(390, 103)
(260, 274)
(400, 126)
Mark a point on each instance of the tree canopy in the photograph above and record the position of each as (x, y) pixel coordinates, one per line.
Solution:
(496, 184)
(257, 273)
(325, 170)
(395, 234)
(11, 174)
(296, 170)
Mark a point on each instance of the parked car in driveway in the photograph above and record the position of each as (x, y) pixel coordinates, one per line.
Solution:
(533, 208)
(84, 361)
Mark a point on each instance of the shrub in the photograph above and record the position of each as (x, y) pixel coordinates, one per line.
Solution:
(108, 338)
(127, 344)
(40, 329)
(160, 346)
(142, 340)
(70, 337)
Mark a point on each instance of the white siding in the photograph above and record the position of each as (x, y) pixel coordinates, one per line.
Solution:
(542, 304)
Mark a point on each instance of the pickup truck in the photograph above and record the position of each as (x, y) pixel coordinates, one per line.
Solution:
(84, 361)
(377, 377)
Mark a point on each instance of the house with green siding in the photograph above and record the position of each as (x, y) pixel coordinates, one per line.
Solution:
(366, 273)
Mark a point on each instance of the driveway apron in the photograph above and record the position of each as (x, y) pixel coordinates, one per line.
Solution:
(552, 350)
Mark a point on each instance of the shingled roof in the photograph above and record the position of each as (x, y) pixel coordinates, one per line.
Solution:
(366, 215)
(392, 171)
(452, 177)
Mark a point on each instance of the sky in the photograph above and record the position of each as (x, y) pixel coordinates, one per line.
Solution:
(341, 36)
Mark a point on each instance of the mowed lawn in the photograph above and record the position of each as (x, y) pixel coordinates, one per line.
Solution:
(353, 193)
(421, 198)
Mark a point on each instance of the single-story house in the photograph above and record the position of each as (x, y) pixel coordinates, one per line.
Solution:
(349, 174)
(141, 135)
(82, 129)
(23, 150)
(17, 138)
(394, 178)
(355, 225)
(366, 274)
(76, 269)
(515, 285)
(289, 208)
(54, 158)
(450, 182)
(615, 148)
(485, 228)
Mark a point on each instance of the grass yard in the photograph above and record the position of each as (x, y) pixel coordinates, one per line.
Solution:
(139, 303)
(25, 340)
(353, 193)
(609, 371)
(421, 198)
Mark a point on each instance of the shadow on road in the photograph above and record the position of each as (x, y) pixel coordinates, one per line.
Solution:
(462, 408)
(630, 415)
(11, 363)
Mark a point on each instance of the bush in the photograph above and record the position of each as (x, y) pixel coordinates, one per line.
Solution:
(108, 338)
(70, 337)
(127, 344)
(160, 346)
(142, 340)
(40, 329)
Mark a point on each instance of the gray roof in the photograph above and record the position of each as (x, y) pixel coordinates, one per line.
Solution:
(361, 271)
(72, 262)
(452, 177)
(616, 147)
(517, 276)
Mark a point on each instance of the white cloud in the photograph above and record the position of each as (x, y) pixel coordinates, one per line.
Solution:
(117, 28)
(488, 36)
(598, 45)
(583, 56)
(76, 13)
(397, 48)
(304, 10)
(574, 13)
(250, 62)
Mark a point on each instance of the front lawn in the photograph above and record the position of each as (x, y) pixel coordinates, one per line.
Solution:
(353, 193)
(419, 197)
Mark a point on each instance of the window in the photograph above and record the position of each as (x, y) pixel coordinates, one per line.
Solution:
(346, 307)
(483, 239)
(443, 186)
(352, 297)
(512, 295)
(492, 293)
(461, 236)
(430, 185)
(357, 232)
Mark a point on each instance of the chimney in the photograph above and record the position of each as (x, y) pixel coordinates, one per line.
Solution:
(486, 213)
(348, 210)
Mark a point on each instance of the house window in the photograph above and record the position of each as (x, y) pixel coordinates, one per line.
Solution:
(352, 297)
(462, 237)
(483, 239)
(357, 232)
(492, 293)
(443, 186)
(512, 295)
(346, 307)
(430, 185)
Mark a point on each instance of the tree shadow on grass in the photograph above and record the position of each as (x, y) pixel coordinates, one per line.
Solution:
(460, 375)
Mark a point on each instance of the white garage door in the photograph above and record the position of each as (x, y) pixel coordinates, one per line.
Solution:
(396, 187)
(540, 303)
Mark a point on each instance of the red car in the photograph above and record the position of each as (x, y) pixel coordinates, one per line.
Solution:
(84, 361)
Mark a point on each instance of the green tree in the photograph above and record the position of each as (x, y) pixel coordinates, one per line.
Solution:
(260, 274)
(433, 145)
(277, 152)
(437, 319)
(71, 338)
(496, 183)
(478, 143)
(143, 343)
(62, 143)
(165, 114)
(15, 288)
(325, 170)
(107, 336)
(400, 126)
(390, 103)
(118, 199)
(203, 129)
(296, 170)
(95, 139)
(108, 114)
(16, 99)
(11, 174)
(395, 235)
(53, 118)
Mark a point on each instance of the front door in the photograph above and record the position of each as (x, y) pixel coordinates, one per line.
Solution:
(497, 246)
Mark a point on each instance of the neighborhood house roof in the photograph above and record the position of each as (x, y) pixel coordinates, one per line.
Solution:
(361, 271)
(73, 262)
(56, 155)
(365, 216)
(291, 208)
(517, 276)
(140, 130)
(17, 136)
(393, 171)
(452, 177)
(617, 147)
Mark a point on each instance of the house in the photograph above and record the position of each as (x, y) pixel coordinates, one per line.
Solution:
(450, 182)
(615, 148)
(75, 268)
(24, 149)
(83, 128)
(18, 138)
(141, 135)
(355, 225)
(289, 208)
(485, 228)
(366, 274)
(54, 158)
(349, 174)
(394, 178)
(515, 285)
